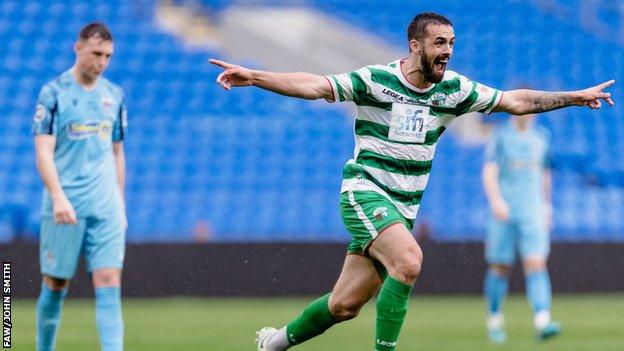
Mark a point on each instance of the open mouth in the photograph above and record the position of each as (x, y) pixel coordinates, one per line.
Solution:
(439, 65)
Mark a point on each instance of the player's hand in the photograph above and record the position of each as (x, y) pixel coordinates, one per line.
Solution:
(64, 212)
(233, 75)
(591, 97)
(500, 210)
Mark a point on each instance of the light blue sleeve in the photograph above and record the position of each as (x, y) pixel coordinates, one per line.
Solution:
(45, 119)
(121, 122)
(492, 149)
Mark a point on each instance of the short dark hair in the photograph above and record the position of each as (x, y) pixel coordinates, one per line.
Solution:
(418, 26)
(95, 29)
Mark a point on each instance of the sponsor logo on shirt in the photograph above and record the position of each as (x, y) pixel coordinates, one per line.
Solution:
(408, 123)
(402, 98)
(396, 96)
(87, 129)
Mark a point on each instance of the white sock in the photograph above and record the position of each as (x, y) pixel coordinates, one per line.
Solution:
(495, 321)
(541, 319)
(278, 341)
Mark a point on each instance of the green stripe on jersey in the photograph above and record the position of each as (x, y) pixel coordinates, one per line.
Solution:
(393, 165)
(465, 105)
(341, 96)
(490, 103)
(381, 131)
(352, 170)
(369, 101)
(359, 87)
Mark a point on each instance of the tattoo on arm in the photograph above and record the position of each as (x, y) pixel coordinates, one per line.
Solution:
(542, 101)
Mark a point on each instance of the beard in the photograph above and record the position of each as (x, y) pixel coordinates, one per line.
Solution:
(429, 71)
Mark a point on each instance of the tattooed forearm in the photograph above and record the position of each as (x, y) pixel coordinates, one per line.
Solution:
(542, 101)
(524, 101)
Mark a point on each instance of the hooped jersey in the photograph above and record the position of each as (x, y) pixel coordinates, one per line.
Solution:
(397, 127)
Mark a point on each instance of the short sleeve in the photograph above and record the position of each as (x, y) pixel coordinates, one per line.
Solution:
(477, 97)
(353, 86)
(44, 119)
(492, 149)
(121, 123)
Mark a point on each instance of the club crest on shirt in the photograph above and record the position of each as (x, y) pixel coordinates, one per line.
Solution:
(107, 104)
(438, 99)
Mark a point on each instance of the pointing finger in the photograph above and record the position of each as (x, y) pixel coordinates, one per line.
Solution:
(221, 64)
(606, 84)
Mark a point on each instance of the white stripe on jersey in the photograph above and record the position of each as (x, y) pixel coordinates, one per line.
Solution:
(403, 182)
(410, 152)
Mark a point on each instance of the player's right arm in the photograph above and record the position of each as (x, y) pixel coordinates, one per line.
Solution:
(45, 142)
(490, 182)
(44, 149)
(300, 84)
(492, 191)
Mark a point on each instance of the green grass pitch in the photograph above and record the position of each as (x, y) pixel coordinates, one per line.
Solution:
(591, 322)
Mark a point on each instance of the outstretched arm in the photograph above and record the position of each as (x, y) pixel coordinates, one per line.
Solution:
(302, 85)
(524, 101)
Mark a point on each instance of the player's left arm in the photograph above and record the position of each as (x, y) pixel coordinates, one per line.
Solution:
(119, 134)
(525, 101)
(120, 167)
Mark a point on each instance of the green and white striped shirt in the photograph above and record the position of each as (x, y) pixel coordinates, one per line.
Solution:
(397, 127)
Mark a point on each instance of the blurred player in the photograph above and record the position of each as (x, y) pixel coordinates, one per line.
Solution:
(402, 109)
(79, 126)
(517, 181)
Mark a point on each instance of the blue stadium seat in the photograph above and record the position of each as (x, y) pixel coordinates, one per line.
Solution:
(257, 166)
